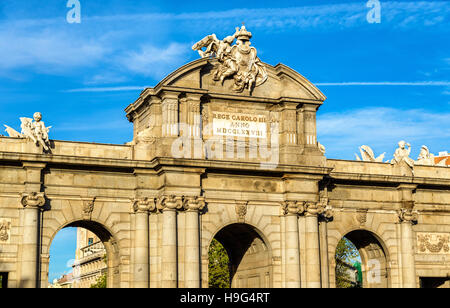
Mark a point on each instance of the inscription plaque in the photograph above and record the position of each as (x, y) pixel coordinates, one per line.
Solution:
(239, 125)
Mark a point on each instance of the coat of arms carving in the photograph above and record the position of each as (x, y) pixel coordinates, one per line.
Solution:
(239, 61)
(5, 227)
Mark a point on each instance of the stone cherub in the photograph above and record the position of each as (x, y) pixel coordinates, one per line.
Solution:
(32, 130)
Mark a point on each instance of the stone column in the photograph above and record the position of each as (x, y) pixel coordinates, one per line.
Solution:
(169, 205)
(407, 218)
(193, 206)
(32, 203)
(141, 208)
(154, 249)
(312, 246)
(289, 124)
(169, 103)
(291, 210)
(191, 126)
(312, 212)
(309, 122)
(323, 233)
(193, 114)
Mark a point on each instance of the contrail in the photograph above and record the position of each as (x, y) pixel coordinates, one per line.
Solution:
(388, 83)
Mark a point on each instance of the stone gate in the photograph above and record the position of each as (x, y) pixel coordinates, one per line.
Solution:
(225, 147)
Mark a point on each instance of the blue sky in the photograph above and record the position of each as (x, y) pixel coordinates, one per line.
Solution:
(384, 82)
(82, 76)
(62, 253)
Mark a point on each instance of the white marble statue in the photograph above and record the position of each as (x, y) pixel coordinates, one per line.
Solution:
(322, 148)
(239, 61)
(402, 154)
(32, 130)
(13, 133)
(425, 157)
(367, 154)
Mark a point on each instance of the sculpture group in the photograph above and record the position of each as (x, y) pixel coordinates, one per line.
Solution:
(239, 61)
(32, 129)
(401, 155)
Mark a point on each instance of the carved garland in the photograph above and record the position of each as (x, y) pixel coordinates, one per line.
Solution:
(426, 244)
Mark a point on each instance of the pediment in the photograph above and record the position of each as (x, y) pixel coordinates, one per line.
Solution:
(282, 82)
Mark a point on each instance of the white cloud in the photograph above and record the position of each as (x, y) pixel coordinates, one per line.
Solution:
(104, 78)
(50, 45)
(402, 14)
(381, 128)
(155, 61)
(47, 50)
(107, 89)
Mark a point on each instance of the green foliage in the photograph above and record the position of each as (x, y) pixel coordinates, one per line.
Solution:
(219, 272)
(346, 253)
(101, 282)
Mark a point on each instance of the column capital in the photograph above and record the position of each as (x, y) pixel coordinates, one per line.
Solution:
(144, 205)
(169, 203)
(194, 204)
(166, 94)
(33, 200)
(194, 96)
(320, 208)
(33, 165)
(311, 107)
(293, 207)
(312, 209)
(408, 215)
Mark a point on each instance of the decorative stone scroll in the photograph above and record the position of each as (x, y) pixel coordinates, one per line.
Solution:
(5, 231)
(313, 209)
(408, 215)
(433, 243)
(33, 200)
(144, 205)
(239, 62)
(194, 203)
(320, 208)
(293, 207)
(170, 202)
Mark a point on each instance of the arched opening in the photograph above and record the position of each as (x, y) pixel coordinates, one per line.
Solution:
(83, 255)
(361, 261)
(248, 256)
